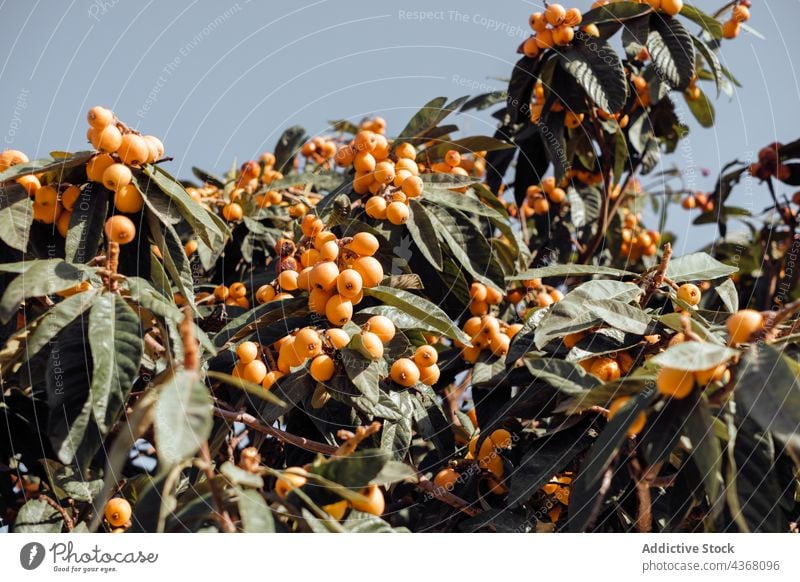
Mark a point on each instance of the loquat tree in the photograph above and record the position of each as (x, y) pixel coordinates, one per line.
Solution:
(374, 331)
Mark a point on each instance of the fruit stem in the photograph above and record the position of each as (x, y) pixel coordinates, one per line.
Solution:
(191, 352)
(112, 264)
(352, 440)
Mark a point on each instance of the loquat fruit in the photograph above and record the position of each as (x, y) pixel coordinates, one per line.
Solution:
(120, 229)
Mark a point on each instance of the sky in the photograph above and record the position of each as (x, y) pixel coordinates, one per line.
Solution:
(219, 80)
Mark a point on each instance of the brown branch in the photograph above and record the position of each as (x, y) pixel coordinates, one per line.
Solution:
(222, 515)
(252, 422)
(61, 510)
(191, 352)
(659, 275)
(112, 264)
(443, 495)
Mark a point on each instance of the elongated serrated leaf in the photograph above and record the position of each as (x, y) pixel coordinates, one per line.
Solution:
(620, 315)
(429, 117)
(697, 267)
(426, 312)
(471, 144)
(288, 146)
(702, 109)
(568, 271)
(86, 223)
(38, 516)
(709, 24)
(615, 12)
(672, 51)
(48, 164)
(54, 320)
(38, 278)
(712, 60)
(693, 356)
(117, 348)
(728, 294)
(422, 231)
(16, 216)
(768, 390)
(182, 418)
(596, 67)
(206, 225)
(256, 515)
(175, 260)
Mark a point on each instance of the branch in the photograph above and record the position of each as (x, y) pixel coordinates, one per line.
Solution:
(252, 422)
(222, 514)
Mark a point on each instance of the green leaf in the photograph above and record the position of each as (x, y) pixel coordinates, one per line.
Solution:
(211, 229)
(693, 356)
(256, 515)
(728, 294)
(175, 260)
(429, 117)
(570, 270)
(634, 35)
(713, 62)
(288, 145)
(672, 51)
(596, 67)
(566, 377)
(701, 108)
(38, 278)
(545, 457)
(67, 482)
(471, 144)
(183, 418)
(615, 12)
(37, 516)
(709, 24)
(86, 223)
(117, 349)
(54, 320)
(768, 391)
(468, 245)
(573, 314)
(253, 389)
(354, 471)
(422, 231)
(585, 501)
(420, 308)
(620, 315)
(706, 452)
(697, 267)
(49, 164)
(16, 216)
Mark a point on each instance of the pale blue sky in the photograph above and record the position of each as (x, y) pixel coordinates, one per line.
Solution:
(221, 79)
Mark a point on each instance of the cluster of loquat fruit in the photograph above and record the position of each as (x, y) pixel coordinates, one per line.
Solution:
(637, 241)
(487, 333)
(769, 164)
(236, 294)
(121, 149)
(538, 197)
(488, 459)
(333, 271)
(553, 27)
(697, 200)
(319, 150)
(248, 183)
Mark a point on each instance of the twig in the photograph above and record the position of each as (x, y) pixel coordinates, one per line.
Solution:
(62, 511)
(222, 515)
(659, 275)
(445, 496)
(352, 440)
(252, 422)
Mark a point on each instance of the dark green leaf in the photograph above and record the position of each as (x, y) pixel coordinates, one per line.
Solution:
(596, 67)
(424, 235)
(672, 51)
(183, 418)
(117, 348)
